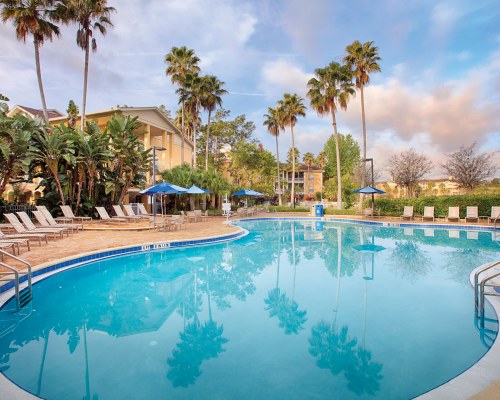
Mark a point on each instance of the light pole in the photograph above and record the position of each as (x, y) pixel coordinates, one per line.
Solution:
(159, 148)
(373, 176)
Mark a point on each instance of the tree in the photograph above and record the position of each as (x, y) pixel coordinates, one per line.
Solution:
(292, 156)
(51, 149)
(274, 124)
(407, 168)
(362, 59)
(211, 97)
(291, 107)
(331, 88)
(29, 18)
(308, 159)
(181, 61)
(72, 111)
(91, 16)
(191, 95)
(15, 138)
(469, 169)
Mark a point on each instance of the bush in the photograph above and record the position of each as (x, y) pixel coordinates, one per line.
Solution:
(288, 209)
(394, 207)
(335, 211)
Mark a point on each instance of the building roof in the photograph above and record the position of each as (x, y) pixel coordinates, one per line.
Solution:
(52, 112)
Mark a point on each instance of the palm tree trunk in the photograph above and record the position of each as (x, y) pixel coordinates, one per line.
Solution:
(39, 76)
(85, 76)
(182, 133)
(278, 169)
(206, 141)
(337, 153)
(293, 168)
(194, 145)
(363, 173)
(58, 185)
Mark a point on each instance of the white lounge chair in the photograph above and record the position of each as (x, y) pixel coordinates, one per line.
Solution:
(45, 225)
(9, 245)
(119, 213)
(22, 236)
(25, 241)
(20, 228)
(68, 213)
(130, 212)
(53, 221)
(28, 223)
(142, 210)
(495, 213)
(428, 213)
(407, 213)
(453, 214)
(472, 214)
(103, 214)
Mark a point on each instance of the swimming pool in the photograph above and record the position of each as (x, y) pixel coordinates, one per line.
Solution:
(296, 309)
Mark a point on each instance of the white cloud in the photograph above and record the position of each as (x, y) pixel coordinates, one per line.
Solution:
(283, 76)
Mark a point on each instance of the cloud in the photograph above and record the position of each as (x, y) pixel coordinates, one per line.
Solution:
(281, 76)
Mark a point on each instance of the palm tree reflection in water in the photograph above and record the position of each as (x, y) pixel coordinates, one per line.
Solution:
(338, 352)
(278, 304)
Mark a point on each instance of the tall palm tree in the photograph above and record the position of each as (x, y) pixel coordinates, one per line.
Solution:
(330, 89)
(308, 159)
(191, 95)
(211, 98)
(362, 60)
(274, 123)
(29, 18)
(91, 16)
(181, 61)
(292, 106)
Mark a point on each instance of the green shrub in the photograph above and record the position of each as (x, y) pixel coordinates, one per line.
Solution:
(288, 209)
(394, 207)
(334, 211)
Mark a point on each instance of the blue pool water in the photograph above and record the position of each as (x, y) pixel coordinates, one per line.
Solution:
(294, 310)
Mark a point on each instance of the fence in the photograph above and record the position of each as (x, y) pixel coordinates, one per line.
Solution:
(13, 208)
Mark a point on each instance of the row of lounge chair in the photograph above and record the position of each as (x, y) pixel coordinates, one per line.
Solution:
(26, 230)
(453, 214)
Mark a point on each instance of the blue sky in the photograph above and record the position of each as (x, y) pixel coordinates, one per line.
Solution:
(439, 87)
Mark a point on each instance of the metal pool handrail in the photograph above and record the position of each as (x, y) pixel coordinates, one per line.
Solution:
(16, 273)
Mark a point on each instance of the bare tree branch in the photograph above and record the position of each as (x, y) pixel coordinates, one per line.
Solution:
(407, 168)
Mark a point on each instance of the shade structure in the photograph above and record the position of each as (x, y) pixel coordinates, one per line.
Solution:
(369, 190)
(247, 192)
(164, 188)
(197, 190)
(368, 248)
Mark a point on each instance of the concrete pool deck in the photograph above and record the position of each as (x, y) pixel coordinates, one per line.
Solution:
(480, 382)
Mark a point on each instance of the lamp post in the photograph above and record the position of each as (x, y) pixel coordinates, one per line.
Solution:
(159, 148)
(373, 176)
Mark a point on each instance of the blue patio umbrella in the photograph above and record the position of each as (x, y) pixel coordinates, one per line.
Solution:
(164, 188)
(247, 192)
(369, 190)
(197, 190)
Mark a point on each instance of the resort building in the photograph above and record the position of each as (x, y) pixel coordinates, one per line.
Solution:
(308, 179)
(427, 187)
(156, 131)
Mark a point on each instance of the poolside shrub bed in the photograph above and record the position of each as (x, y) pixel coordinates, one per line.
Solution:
(394, 207)
(335, 211)
(288, 209)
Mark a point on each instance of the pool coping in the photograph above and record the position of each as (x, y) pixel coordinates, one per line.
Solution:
(470, 382)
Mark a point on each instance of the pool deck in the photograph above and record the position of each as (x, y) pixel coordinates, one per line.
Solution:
(480, 382)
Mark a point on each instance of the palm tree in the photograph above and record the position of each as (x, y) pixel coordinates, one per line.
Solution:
(50, 149)
(90, 15)
(329, 89)
(211, 97)
(362, 59)
(308, 159)
(29, 18)
(292, 106)
(274, 125)
(190, 95)
(181, 61)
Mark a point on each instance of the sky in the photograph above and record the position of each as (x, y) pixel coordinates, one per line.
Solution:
(438, 89)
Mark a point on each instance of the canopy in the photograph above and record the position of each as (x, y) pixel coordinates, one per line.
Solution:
(247, 192)
(369, 248)
(164, 188)
(197, 190)
(369, 190)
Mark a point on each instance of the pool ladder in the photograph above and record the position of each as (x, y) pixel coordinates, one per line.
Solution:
(24, 295)
(485, 286)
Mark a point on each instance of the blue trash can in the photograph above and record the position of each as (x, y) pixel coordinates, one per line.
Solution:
(319, 210)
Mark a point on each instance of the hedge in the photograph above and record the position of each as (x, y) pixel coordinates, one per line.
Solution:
(394, 207)
(335, 211)
(288, 209)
